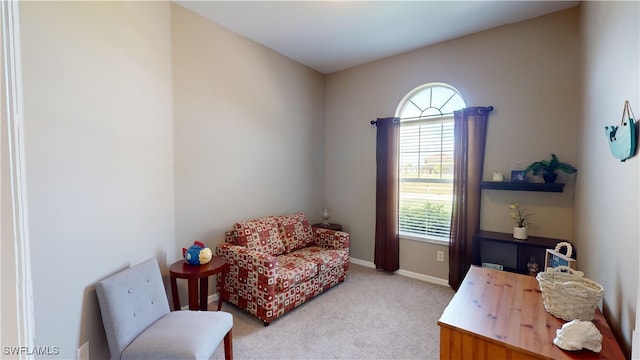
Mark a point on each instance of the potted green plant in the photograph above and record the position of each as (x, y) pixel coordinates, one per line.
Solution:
(549, 168)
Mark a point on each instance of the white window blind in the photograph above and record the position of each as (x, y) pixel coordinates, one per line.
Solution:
(426, 178)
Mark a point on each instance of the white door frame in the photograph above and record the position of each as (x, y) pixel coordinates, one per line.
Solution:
(15, 262)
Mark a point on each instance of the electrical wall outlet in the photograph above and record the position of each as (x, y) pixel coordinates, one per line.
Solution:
(83, 352)
(440, 256)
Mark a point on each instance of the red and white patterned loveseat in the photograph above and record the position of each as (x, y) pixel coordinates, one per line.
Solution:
(276, 263)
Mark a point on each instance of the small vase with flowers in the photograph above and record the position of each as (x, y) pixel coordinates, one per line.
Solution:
(520, 217)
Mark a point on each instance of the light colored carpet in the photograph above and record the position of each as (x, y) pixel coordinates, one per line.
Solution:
(372, 315)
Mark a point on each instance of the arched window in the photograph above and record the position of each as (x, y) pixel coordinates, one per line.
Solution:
(426, 161)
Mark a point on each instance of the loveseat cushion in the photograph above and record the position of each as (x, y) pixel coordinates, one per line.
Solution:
(259, 235)
(295, 231)
(324, 259)
(293, 270)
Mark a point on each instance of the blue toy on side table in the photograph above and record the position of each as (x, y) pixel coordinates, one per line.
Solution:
(197, 254)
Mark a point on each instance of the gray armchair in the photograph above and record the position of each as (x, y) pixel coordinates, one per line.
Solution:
(139, 324)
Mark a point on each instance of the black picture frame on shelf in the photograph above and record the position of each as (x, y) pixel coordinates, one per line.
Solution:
(518, 176)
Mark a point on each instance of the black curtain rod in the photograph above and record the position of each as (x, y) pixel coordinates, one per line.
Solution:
(373, 122)
(395, 120)
(479, 109)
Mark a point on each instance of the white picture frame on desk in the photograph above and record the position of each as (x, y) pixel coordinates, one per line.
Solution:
(554, 258)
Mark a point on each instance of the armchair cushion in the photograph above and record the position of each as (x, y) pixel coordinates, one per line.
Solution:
(162, 340)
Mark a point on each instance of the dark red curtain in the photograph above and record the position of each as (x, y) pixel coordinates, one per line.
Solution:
(470, 128)
(387, 245)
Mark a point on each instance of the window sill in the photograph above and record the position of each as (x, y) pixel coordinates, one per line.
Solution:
(424, 239)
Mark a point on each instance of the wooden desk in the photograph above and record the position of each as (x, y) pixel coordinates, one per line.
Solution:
(500, 315)
(182, 270)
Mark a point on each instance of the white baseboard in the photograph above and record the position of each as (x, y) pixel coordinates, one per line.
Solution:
(213, 298)
(410, 274)
(422, 277)
(363, 263)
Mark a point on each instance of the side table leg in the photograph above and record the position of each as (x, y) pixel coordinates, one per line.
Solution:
(204, 292)
(174, 294)
(193, 294)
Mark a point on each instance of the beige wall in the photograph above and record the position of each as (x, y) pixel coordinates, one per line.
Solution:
(99, 155)
(608, 191)
(112, 113)
(248, 128)
(527, 71)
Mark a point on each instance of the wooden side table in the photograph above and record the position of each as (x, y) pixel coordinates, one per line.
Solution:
(336, 227)
(183, 270)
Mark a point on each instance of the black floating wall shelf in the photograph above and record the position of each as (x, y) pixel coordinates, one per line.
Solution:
(495, 185)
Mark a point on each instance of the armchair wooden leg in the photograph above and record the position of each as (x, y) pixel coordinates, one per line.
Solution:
(228, 346)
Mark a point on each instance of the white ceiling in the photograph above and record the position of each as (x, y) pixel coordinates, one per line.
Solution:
(329, 36)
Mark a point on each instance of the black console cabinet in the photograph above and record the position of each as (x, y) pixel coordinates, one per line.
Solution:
(513, 254)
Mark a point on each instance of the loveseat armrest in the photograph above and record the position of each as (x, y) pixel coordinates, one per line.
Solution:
(331, 239)
(245, 264)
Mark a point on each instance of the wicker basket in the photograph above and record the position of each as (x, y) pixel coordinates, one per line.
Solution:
(568, 295)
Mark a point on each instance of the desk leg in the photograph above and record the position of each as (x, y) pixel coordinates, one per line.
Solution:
(193, 294)
(174, 294)
(204, 291)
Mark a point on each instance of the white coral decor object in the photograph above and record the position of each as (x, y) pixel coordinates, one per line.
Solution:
(578, 334)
